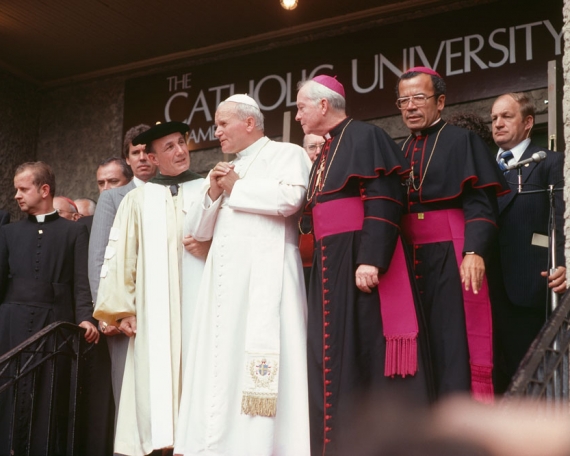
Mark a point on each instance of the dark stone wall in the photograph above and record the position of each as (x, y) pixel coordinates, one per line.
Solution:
(20, 107)
(80, 125)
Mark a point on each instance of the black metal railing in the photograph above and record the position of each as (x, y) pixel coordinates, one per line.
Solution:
(544, 371)
(39, 391)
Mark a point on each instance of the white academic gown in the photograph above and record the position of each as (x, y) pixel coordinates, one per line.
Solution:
(254, 251)
(144, 264)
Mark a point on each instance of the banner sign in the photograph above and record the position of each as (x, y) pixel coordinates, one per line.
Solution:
(479, 51)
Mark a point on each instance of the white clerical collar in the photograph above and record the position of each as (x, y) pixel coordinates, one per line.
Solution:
(42, 217)
(252, 149)
(419, 133)
(517, 151)
(138, 182)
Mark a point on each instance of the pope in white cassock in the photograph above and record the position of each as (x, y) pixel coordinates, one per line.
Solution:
(245, 384)
(148, 281)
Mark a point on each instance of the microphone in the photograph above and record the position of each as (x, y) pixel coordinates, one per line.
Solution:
(536, 157)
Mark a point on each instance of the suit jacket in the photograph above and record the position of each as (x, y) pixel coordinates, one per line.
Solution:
(87, 221)
(520, 216)
(103, 219)
(4, 217)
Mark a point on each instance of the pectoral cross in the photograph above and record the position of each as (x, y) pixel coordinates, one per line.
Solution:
(320, 172)
(409, 182)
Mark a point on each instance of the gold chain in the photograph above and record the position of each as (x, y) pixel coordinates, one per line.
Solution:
(410, 180)
(321, 166)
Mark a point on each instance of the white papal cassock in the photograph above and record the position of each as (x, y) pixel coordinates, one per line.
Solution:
(143, 273)
(251, 307)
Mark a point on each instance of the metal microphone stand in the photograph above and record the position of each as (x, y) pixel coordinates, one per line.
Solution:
(551, 267)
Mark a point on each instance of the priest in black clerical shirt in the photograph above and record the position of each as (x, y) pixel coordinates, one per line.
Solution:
(43, 279)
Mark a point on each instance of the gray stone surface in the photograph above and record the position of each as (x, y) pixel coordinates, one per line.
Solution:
(20, 106)
(80, 125)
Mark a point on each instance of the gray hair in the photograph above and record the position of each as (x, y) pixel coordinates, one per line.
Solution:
(316, 92)
(91, 204)
(243, 111)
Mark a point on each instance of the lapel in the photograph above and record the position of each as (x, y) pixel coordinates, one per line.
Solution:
(126, 189)
(512, 177)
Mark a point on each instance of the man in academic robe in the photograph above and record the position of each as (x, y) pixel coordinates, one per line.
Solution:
(245, 385)
(146, 283)
(523, 234)
(451, 224)
(364, 334)
(43, 279)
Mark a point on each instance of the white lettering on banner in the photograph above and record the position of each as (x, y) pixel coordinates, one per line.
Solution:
(169, 102)
(200, 105)
(557, 37)
(199, 135)
(286, 94)
(471, 54)
(459, 55)
(454, 56)
(528, 35)
(175, 83)
(218, 91)
(355, 85)
(498, 47)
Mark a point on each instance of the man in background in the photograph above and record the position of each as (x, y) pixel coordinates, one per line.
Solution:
(109, 201)
(523, 234)
(113, 172)
(313, 145)
(66, 208)
(85, 207)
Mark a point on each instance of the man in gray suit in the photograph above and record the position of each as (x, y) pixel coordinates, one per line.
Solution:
(107, 206)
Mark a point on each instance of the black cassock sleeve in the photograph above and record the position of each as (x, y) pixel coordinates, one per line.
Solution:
(383, 205)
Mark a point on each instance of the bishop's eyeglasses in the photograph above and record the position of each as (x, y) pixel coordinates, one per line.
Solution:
(418, 100)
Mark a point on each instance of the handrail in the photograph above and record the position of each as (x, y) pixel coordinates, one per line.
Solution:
(31, 374)
(544, 371)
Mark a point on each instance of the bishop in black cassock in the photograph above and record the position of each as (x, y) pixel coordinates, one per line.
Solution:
(360, 340)
(451, 225)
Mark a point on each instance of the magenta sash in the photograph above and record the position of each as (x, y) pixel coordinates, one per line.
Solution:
(449, 225)
(394, 289)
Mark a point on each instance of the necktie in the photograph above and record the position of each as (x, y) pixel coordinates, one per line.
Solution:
(504, 160)
(174, 189)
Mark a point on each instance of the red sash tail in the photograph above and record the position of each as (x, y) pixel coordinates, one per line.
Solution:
(394, 289)
(449, 225)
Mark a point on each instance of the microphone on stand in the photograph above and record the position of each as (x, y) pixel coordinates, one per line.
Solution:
(536, 157)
